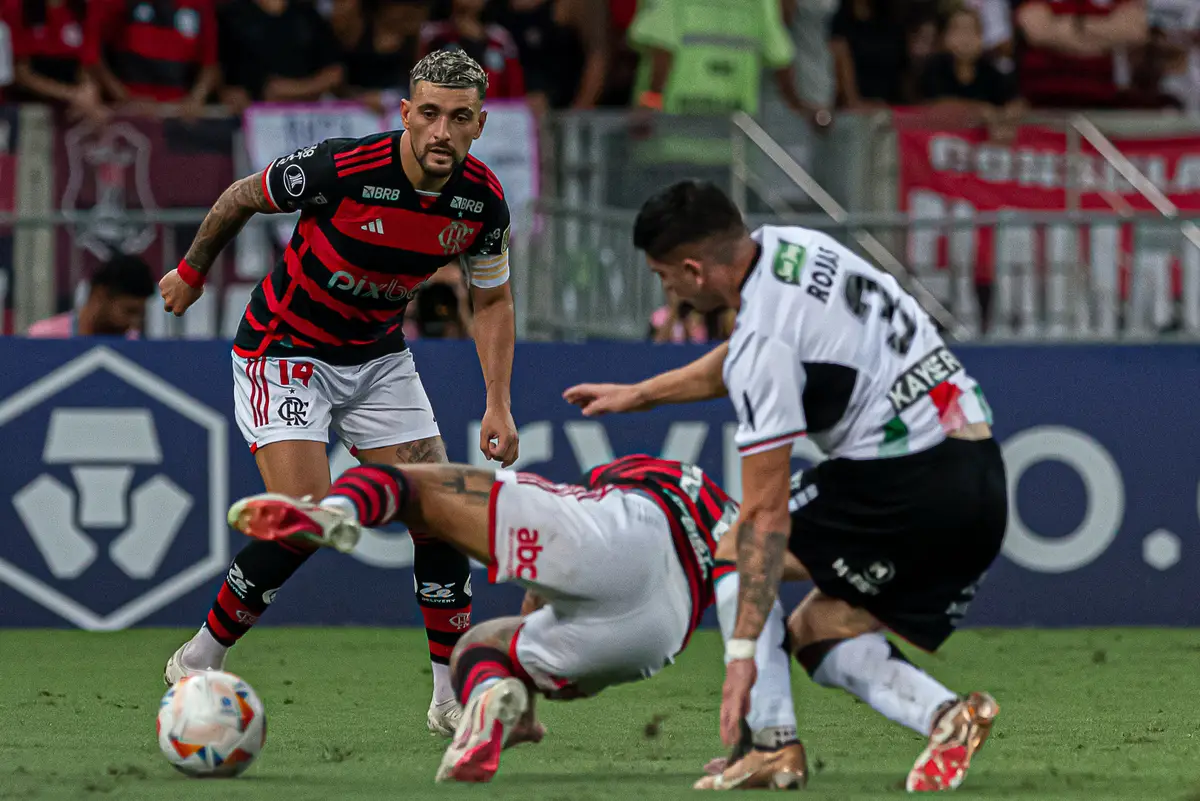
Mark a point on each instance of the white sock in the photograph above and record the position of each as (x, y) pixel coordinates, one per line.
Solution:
(203, 651)
(772, 717)
(443, 688)
(341, 503)
(898, 690)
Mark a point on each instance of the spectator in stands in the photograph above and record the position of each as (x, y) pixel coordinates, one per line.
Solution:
(809, 22)
(622, 58)
(439, 313)
(276, 50)
(490, 45)
(960, 80)
(995, 16)
(708, 58)
(160, 52)
(48, 38)
(677, 322)
(563, 49)
(379, 47)
(1168, 66)
(1072, 51)
(115, 305)
(870, 53)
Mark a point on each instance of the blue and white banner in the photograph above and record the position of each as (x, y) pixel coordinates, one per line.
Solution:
(121, 458)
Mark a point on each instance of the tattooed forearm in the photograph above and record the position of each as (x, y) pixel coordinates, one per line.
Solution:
(225, 219)
(760, 567)
(428, 451)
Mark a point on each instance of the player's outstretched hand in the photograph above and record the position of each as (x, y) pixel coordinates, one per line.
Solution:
(177, 294)
(598, 399)
(740, 675)
(498, 439)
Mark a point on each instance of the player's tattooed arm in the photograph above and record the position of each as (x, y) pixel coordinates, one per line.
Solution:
(233, 209)
(760, 568)
(762, 537)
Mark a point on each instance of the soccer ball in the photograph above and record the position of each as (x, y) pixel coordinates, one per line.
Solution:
(211, 725)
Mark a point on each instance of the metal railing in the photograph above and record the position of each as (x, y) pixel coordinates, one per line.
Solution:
(1036, 287)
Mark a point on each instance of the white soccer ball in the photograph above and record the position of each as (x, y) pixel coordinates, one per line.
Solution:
(211, 725)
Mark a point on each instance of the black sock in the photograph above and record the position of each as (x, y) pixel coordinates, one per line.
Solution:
(443, 579)
(256, 574)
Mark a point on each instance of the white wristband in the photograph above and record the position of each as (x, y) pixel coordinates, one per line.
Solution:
(739, 649)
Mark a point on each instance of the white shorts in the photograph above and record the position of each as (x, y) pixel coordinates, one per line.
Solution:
(618, 604)
(367, 405)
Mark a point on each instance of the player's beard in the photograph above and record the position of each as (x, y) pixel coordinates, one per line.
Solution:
(439, 170)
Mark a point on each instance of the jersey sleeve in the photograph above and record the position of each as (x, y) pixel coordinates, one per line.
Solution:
(307, 179)
(766, 381)
(486, 263)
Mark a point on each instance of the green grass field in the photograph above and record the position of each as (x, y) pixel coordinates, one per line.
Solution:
(1100, 714)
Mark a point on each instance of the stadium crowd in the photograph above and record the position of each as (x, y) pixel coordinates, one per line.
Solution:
(954, 61)
(838, 54)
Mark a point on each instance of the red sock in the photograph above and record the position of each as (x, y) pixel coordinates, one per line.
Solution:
(477, 664)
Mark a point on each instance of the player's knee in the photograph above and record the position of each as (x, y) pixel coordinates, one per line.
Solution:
(497, 633)
(821, 617)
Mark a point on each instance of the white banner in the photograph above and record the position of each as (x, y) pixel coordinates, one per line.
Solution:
(508, 146)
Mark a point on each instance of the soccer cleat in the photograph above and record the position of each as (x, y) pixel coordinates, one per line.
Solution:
(784, 768)
(443, 718)
(176, 670)
(271, 516)
(474, 754)
(957, 735)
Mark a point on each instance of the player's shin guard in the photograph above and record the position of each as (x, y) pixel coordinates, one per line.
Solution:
(479, 667)
(873, 669)
(442, 578)
(374, 493)
(772, 718)
(255, 576)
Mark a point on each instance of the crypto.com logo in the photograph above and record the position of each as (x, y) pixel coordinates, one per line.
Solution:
(102, 446)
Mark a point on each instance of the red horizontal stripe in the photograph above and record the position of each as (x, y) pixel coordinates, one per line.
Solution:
(363, 149)
(323, 249)
(373, 165)
(255, 324)
(491, 180)
(437, 649)
(161, 44)
(321, 295)
(362, 157)
(404, 229)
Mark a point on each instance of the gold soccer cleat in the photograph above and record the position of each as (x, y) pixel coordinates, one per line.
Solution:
(957, 735)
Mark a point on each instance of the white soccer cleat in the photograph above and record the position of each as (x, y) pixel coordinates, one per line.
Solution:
(177, 670)
(272, 516)
(474, 754)
(443, 718)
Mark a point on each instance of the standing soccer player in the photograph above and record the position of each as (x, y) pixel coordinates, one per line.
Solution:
(321, 343)
(896, 528)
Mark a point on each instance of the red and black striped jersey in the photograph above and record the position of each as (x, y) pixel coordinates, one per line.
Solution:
(699, 512)
(156, 49)
(365, 242)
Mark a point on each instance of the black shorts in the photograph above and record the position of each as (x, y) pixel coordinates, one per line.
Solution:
(908, 538)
